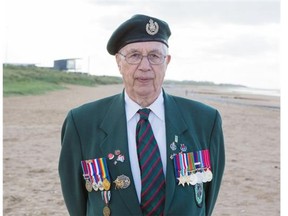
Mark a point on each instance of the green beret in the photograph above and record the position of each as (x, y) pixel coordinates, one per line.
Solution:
(139, 28)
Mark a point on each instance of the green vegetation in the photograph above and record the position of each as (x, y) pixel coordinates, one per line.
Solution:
(29, 80)
(21, 80)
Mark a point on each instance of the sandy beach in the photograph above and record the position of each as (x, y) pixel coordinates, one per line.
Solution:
(31, 147)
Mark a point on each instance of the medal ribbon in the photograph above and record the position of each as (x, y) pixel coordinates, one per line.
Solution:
(177, 166)
(95, 171)
(186, 163)
(191, 166)
(200, 156)
(85, 171)
(90, 170)
(98, 170)
(182, 165)
(207, 158)
(196, 160)
(106, 196)
(102, 168)
(106, 169)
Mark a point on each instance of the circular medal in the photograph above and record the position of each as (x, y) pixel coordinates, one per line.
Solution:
(193, 179)
(106, 211)
(95, 186)
(100, 186)
(208, 175)
(204, 178)
(106, 184)
(88, 186)
(199, 177)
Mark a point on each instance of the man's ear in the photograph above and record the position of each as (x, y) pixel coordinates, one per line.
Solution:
(118, 61)
(168, 59)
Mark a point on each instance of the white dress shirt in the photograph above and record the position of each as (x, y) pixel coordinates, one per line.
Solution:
(157, 121)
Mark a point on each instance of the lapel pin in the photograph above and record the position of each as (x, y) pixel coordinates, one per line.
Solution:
(183, 147)
(173, 146)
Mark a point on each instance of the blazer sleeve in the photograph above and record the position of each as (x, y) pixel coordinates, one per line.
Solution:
(70, 170)
(217, 155)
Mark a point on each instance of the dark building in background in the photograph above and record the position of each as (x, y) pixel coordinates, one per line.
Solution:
(69, 65)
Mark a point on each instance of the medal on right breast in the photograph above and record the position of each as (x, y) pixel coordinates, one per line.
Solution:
(106, 211)
(88, 186)
(106, 184)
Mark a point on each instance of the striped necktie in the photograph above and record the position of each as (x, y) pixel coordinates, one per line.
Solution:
(152, 176)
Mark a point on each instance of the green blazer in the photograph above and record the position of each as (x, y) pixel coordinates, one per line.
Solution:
(98, 128)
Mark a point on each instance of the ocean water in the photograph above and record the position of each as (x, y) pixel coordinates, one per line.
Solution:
(257, 91)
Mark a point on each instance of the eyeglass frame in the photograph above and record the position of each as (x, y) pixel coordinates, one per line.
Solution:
(147, 56)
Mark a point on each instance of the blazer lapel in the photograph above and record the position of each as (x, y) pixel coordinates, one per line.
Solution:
(115, 126)
(175, 125)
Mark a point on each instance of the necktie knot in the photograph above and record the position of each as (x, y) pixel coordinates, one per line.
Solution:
(144, 113)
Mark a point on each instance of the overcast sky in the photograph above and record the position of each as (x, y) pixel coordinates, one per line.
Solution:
(220, 41)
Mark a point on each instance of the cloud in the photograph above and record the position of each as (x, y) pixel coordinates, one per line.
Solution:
(239, 12)
(246, 41)
(183, 12)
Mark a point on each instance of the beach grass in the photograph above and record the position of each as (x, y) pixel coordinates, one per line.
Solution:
(32, 80)
(22, 80)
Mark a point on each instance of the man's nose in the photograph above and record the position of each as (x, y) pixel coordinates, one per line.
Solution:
(144, 64)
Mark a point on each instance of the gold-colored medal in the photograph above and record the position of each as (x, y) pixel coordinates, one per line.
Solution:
(106, 211)
(106, 184)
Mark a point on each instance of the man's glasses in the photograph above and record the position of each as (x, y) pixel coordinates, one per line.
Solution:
(135, 58)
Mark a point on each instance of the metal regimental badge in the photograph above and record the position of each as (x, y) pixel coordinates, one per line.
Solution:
(122, 182)
(152, 27)
(199, 193)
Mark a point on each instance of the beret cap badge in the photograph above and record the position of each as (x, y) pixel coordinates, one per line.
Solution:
(152, 27)
(139, 28)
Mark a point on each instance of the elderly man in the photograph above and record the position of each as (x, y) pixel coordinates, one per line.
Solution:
(141, 152)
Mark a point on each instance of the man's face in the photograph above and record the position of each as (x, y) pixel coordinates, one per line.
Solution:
(143, 79)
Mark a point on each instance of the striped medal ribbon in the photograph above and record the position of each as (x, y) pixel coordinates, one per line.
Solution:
(193, 167)
(97, 170)
(86, 176)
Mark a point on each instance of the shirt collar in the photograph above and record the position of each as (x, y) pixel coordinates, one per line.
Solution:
(157, 107)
